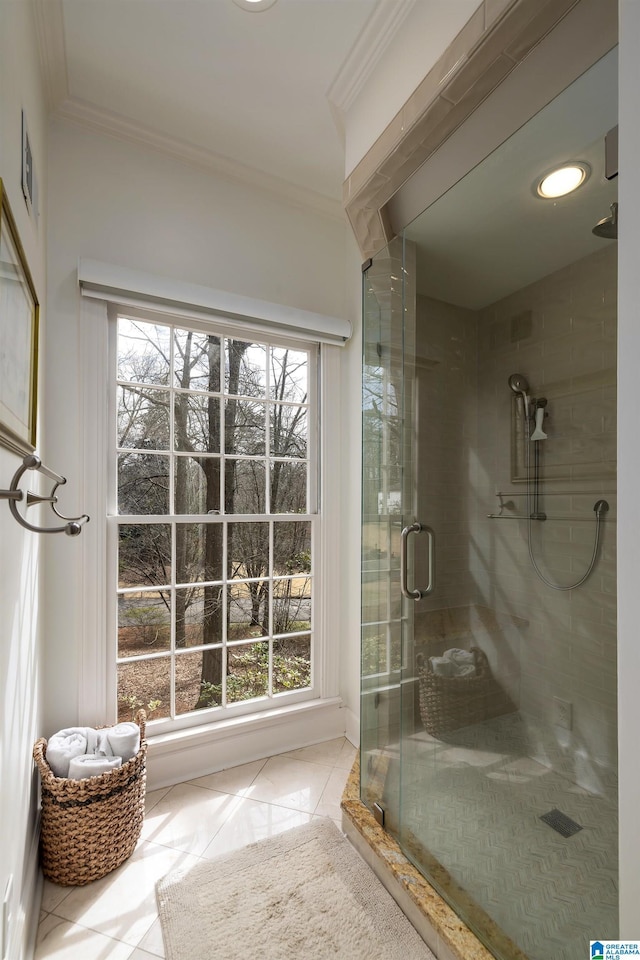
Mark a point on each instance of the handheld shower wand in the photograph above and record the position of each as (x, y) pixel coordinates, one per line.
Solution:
(538, 432)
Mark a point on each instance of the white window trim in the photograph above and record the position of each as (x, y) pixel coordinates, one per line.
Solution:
(132, 288)
(114, 520)
(308, 722)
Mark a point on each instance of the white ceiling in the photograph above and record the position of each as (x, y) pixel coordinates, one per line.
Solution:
(219, 84)
(260, 96)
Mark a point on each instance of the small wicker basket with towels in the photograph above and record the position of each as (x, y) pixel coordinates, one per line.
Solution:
(90, 826)
(449, 703)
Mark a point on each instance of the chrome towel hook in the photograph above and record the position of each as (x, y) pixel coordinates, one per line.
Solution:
(73, 525)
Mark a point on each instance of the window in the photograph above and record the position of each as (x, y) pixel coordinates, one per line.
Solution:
(214, 522)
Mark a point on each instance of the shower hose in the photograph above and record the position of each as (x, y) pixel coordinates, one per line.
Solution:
(600, 508)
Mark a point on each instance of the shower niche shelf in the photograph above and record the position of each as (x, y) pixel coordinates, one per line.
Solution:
(542, 519)
(600, 508)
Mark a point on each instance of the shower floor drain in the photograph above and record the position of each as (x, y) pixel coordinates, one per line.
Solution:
(561, 823)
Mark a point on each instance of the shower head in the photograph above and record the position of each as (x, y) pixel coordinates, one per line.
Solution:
(608, 227)
(518, 383)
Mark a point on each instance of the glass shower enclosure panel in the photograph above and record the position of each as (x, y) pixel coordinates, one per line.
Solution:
(506, 771)
(488, 700)
(387, 509)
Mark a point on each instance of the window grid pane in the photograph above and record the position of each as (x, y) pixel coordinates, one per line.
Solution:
(230, 417)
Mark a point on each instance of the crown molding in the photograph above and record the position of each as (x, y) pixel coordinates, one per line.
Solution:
(116, 125)
(49, 24)
(365, 54)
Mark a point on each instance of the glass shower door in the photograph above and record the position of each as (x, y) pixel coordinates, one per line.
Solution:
(387, 510)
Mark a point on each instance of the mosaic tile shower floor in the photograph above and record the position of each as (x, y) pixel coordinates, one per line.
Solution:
(474, 802)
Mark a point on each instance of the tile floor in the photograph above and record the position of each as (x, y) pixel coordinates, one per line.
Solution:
(116, 918)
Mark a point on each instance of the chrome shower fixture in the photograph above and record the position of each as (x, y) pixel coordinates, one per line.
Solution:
(607, 228)
(534, 412)
(520, 384)
(539, 415)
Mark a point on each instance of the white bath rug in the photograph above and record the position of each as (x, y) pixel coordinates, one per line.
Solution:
(302, 895)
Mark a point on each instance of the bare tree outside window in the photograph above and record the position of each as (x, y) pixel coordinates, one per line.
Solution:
(214, 533)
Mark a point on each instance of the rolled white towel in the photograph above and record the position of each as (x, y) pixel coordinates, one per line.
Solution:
(124, 739)
(442, 666)
(63, 747)
(92, 765)
(454, 663)
(103, 746)
(462, 658)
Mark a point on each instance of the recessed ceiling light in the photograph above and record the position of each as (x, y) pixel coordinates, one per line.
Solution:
(254, 5)
(562, 180)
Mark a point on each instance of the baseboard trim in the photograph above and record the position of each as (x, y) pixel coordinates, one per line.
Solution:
(352, 730)
(26, 928)
(198, 751)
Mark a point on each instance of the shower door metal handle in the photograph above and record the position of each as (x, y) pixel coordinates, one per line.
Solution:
(416, 594)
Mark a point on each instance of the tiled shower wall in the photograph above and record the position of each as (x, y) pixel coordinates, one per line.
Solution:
(446, 474)
(560, 333)
(543, 644)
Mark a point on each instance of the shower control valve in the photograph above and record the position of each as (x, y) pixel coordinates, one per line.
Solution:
(536, 404)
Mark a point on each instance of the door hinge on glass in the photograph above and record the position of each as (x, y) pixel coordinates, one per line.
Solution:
(378, 813)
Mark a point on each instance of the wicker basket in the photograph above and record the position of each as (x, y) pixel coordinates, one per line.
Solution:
(89, 827)
(448, 703)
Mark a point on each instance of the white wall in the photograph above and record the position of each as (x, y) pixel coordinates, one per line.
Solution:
(350, 449)
(629, 471)
(20, 551)
(424, 35)
(126, 204)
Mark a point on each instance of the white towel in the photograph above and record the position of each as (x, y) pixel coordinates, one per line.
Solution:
(442, 666)
(92, 765)
(124, 739)
(461, 663)
(63, 747)
(103, 746)
(461, 658)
